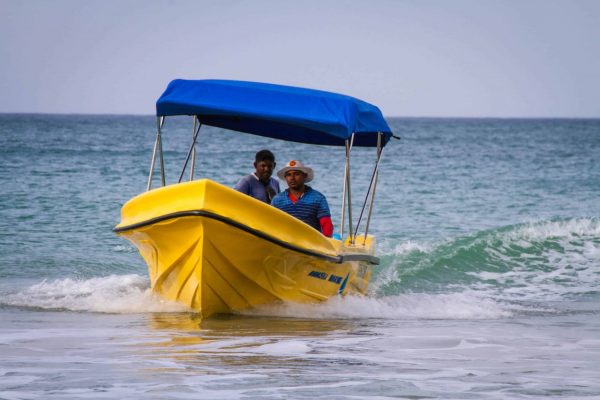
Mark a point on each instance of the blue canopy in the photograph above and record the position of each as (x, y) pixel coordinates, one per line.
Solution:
(281, 112)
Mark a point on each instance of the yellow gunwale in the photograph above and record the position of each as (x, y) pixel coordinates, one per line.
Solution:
(210, 199)
(339, 259)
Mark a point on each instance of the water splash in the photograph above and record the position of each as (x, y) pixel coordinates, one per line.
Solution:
(408, 306)
(122, 294)
(130, 294)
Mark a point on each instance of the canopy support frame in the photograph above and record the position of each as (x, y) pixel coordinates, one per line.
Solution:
(346, 191)
(193, 166)
(370, 191)
(157, 148)
(192, 148)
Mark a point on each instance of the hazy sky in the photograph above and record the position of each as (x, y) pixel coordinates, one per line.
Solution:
(411, 58)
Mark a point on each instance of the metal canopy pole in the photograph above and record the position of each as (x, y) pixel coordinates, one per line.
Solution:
(189, 152)
(370, 190)
(344, 192)
(152, 164)
(193, 166)
(346, 189)
(379, 150)
(157, 145)
(348, 150)
(160, 121)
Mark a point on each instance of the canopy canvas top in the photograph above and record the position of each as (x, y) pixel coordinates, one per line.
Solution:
(276, 111)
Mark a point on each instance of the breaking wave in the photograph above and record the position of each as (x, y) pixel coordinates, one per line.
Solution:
(122, 294)
(491, 274)
(541, 261)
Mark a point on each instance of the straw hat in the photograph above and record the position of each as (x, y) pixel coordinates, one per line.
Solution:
(296, 165)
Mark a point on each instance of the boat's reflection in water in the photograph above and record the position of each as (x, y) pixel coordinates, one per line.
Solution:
(187, 341)
(227, 326)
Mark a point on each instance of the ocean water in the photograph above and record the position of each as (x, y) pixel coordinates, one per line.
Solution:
(489, 286)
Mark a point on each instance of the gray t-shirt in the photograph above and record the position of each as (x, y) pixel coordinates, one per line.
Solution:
(252, 186)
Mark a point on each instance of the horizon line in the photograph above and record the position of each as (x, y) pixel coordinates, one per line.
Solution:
(388, 116)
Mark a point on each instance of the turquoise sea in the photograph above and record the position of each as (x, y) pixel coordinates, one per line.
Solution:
(489, 286)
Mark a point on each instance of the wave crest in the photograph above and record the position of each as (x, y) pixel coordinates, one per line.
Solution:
(540, 261)
(122, 294)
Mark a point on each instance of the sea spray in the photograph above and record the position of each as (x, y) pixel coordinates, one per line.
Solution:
(121, 294)
(407, 306)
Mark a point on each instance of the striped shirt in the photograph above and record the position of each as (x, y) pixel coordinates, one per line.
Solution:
(309, 208)
(252, 186)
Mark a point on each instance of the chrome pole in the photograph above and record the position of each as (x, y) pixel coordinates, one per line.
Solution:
(187, 159)
(350, 233)
(160, 122)
(149, 186)
(379, 150)
(369, 190)
(193, 150)
(344, 190)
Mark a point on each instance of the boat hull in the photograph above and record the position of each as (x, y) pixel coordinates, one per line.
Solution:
(219, 251)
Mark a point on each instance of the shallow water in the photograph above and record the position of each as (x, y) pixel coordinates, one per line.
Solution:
(176, 356)
(489, 286)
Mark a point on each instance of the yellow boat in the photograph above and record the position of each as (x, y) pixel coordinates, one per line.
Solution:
(220, 251)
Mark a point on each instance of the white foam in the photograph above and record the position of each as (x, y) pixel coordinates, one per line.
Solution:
(284, 348)
(110, 294)
(572, 228)
(567, 268)
(124, 249)
(591, 250)
(407, 306)
(399, 249)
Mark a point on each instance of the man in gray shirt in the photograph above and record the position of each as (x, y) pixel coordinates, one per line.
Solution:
(259, 184)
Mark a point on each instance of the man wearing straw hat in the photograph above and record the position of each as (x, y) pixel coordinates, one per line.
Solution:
(302, 201)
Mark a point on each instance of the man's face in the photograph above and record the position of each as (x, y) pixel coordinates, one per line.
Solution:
(264, 169)
(295, 179)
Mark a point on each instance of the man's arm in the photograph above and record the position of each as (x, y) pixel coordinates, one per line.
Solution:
(326, 226)
(324, 216)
